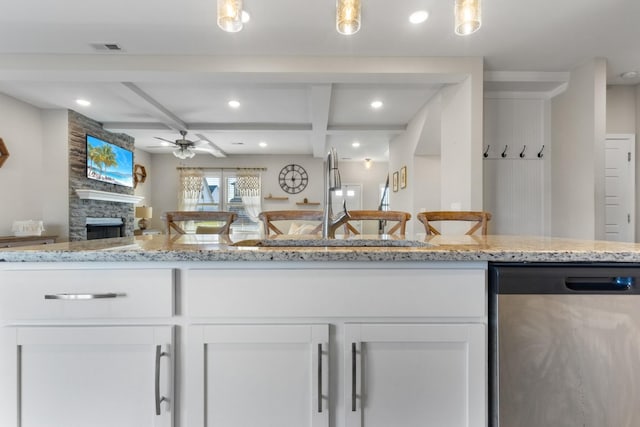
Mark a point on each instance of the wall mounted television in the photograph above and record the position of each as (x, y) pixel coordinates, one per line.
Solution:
(109, 163)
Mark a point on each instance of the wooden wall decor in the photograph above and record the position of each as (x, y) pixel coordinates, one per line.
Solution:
(4, 153)
(139, 174)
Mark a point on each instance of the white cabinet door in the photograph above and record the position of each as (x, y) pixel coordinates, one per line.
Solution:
(86, 376)
(415, 375)
(258, 375)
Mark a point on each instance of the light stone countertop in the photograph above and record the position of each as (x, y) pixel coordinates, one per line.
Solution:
(196, 248)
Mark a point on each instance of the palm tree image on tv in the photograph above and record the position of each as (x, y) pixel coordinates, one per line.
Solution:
(109, 163)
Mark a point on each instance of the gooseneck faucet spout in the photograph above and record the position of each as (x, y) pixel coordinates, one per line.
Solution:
(331, 183)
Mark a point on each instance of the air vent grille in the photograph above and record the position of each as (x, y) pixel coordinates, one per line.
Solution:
(106, 46)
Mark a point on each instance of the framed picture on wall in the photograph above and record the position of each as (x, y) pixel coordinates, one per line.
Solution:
(403, 177)
(395, 181)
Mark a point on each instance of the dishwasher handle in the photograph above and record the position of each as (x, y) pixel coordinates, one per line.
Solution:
(581, 284)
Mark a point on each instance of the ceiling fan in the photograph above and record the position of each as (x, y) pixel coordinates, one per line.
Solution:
(186, 149)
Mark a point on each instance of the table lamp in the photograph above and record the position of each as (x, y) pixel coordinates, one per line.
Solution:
(143, 212)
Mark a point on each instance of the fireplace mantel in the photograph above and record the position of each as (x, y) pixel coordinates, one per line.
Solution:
(86, 193)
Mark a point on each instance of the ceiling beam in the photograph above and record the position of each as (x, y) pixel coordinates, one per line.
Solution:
(366, 128)
(152, 107)
(135, 126)
(214, 150)
(250, 127)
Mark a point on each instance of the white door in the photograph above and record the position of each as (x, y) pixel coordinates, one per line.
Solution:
(86, 376)
(620, 188)
(258, 375)
(415, 375)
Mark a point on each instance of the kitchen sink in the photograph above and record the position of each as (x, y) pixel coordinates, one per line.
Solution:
(310, 241)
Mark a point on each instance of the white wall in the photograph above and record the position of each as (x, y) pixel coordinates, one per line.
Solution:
(55, 194)
(371, 180)
(23, 175)
(144, 189)
(402, 153)
(516, 189)
(621, 109)
(578, 131)
(461, 187)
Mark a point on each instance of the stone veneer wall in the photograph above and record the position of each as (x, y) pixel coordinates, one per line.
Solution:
(80, 209)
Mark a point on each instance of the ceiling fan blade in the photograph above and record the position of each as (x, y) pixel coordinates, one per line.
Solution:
(165, 140)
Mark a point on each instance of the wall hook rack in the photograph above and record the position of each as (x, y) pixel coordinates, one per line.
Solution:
(522, 155)
(540, 152)
(504, 152)
(486, 152)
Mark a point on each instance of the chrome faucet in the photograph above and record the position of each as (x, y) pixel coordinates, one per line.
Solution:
(332, 182)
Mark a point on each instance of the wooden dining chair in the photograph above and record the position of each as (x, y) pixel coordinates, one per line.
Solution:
(397, 219)
(479, 220)
(222, 221)
(269, 218)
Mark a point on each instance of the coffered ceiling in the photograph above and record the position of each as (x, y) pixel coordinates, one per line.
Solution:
(52, 53)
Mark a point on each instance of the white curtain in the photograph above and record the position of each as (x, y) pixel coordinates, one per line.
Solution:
(190, 189)
(249, 187)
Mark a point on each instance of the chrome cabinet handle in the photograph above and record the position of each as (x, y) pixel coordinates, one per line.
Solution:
(319, 378)
(84, 296)
(353, 377)
(159, 399)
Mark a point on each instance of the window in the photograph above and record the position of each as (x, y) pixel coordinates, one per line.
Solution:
(384, 198)
(219, 194)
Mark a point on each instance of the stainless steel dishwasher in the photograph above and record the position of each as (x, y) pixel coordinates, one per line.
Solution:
(564, 343)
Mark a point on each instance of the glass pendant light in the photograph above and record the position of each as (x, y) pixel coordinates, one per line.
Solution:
(468, 16)
(230, 15)
(348, 16)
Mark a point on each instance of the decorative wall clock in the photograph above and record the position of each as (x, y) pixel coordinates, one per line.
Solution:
(293, 178)
(4, 153)
(139, 175)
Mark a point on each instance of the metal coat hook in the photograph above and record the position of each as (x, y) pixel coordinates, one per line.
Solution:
(540, 152)
(486, 152)
(504, 153)
(522, 152)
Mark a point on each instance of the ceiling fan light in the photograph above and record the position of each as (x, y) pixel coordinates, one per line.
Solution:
(348, 15)
(183, 153)
(468, 14)
(230, 15)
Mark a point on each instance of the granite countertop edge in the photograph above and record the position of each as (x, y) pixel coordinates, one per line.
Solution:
(488, 249)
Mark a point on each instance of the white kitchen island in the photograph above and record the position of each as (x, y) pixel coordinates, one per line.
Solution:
(158, 331)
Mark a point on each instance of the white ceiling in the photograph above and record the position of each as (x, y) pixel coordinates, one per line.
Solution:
(293, 116)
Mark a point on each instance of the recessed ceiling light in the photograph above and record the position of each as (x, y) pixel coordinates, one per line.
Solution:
(376, 104)
(245, 17)
(237, 143)
(630, 75)
(262, 144)
(234, 104)
(83, 102)
(355, 144)
(419, 17)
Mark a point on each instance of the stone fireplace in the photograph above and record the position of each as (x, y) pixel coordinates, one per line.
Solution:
(82, 211)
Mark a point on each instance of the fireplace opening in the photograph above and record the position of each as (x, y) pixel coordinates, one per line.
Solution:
(104, 228)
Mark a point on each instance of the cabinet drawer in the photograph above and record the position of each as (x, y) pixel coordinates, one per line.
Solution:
(336, 292)
(82, 294)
